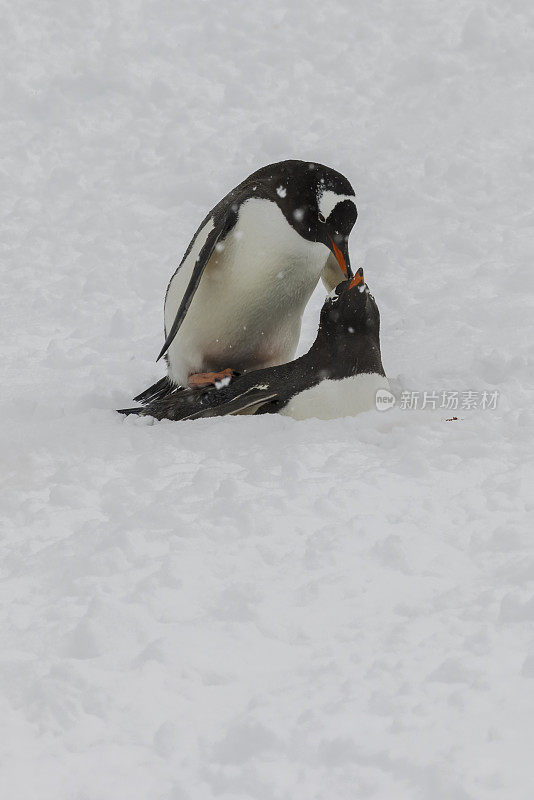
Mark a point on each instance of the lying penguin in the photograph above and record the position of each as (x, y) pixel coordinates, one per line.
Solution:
(236, 301)
(339, 375)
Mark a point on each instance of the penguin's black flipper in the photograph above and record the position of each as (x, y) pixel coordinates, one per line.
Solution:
(221, 227)
(194, 404)
(251, 400)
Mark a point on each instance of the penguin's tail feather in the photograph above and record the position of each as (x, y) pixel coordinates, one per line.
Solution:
(158, 391)
(153, 397)
(173, 405)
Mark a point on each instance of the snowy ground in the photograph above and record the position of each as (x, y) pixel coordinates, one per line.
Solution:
(260, 608)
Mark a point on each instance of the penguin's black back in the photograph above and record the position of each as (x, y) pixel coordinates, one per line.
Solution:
(298, 179)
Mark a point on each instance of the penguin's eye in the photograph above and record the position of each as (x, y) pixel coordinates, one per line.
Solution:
(321, 217)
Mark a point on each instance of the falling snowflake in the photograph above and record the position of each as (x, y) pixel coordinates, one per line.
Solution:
(281, 191)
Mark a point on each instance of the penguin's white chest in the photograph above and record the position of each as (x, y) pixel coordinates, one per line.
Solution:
(265, 262)
(247, 310)
(330, 399)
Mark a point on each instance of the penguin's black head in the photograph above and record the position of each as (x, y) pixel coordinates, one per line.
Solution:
(351, 310)
(318, 202)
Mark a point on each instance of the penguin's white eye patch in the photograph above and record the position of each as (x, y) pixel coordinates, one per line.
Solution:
(321, 217)
(332, 296)
(328, 200)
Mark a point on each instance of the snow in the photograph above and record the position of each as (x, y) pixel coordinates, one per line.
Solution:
(258, 607)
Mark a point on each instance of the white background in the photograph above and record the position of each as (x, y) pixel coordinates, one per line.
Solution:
(260, 608)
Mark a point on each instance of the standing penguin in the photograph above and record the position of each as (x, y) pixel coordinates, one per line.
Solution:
(339, 375)
(236, 301)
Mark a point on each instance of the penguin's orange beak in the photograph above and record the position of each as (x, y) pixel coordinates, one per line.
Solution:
(342, 260)
(357, 280)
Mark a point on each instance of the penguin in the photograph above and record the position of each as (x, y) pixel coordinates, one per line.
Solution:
(236, 301)
(339, 375)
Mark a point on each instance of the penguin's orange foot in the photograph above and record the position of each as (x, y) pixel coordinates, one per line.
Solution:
(200, 380)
